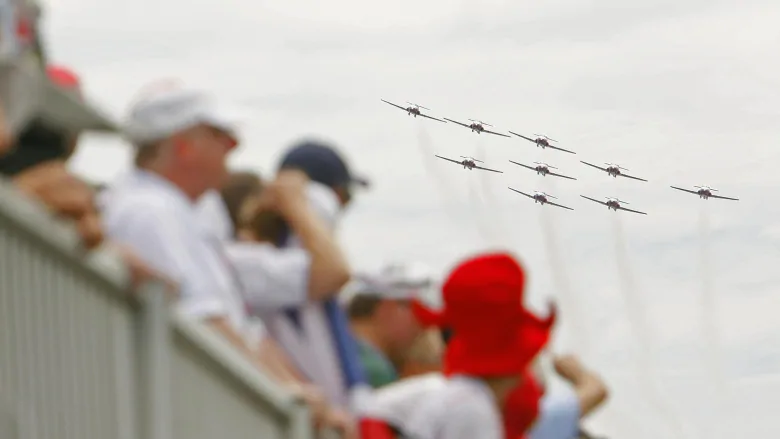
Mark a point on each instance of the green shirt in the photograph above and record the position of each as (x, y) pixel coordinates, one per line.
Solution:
(379, 370)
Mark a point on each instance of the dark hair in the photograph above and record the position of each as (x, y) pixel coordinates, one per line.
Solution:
(239, 187)
(446, 335)
(38, 142)
(363, 306)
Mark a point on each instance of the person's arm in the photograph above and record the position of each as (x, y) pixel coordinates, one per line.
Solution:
(64, 195)
(329, 270)
(590, 388)
(273, 278)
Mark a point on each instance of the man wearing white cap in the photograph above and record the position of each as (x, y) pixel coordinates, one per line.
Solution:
(182, 140)
(382, 320)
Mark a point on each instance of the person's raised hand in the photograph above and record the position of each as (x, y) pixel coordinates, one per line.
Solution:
(568, 367)
(288, 189)
(341, 421)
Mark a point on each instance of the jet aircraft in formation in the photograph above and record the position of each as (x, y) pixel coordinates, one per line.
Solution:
(544, 169)
(541, 198)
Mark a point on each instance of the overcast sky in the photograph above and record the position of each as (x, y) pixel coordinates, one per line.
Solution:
(680, 93)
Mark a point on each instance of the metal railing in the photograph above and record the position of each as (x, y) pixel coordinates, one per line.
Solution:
(83, 357)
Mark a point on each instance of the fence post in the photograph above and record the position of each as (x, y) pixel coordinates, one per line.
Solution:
(8, 424)
(154, 365)
(301, 422)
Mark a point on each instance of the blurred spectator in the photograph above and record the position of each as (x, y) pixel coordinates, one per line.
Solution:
(383, 323)
(35, 160)
(494, 339)
(560, 411)
(276, 277)
(315, 334)
(38, 169)
(182, 142)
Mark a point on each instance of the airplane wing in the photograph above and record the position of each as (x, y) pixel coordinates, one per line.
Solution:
(397, 106)
(559, 175)
(593, 199)
(493, 132)
(522, 193)
(526, 138)
(560, 149)
(630, 210)
(431, 117)
(449, 160)
(525, 166)
(486, 169)
(594, 166)
(558, 205)
(455, 121)
(629, 176)
(684, 190)
(724, 198)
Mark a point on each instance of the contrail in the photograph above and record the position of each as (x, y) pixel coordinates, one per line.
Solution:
(578, 334)
(493, 208)
(446, 187)
(637, 317)
(714, 362)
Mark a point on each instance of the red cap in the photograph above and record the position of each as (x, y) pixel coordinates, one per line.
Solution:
(493, 334)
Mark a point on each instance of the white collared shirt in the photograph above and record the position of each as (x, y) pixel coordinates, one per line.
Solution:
(462, 408)
(157, 220)
(396, 402)
(215, 216)
(277, 278)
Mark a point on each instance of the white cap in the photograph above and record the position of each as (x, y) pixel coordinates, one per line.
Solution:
(166, 112)
(394, 282)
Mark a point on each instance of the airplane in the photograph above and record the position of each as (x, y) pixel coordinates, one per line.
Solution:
(542, 169)
(613, 204)
(477, 126)
(704, 192)
(541, 198)
(413, 110)
(613, 170)
(543, 141)
(469, 163)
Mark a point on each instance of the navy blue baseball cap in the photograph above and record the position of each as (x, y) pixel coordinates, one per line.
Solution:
(322, 163)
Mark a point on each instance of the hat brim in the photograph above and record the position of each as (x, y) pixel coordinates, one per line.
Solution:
(360, 182)
(30, 93)
(224, 120)
(488, 350)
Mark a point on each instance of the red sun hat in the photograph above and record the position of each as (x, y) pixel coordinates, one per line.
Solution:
(493, 334)
(522, 407)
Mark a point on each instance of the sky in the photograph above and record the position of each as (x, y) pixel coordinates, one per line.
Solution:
(680, 93)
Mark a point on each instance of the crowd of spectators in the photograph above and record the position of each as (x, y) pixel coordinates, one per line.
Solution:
(256, 259)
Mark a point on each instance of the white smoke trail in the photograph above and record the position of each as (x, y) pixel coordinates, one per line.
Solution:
(579, 335)
(578, 332)
(644, 362)
(447, 188)
(714, 361)
(493, 210)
